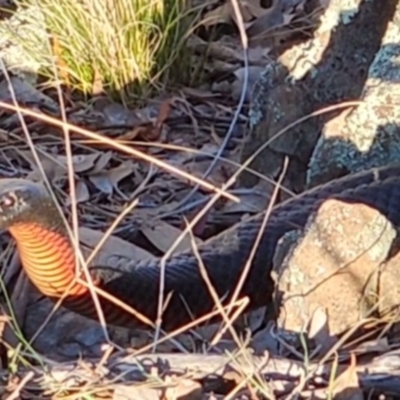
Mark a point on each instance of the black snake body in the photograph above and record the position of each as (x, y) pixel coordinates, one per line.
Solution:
(224, 256)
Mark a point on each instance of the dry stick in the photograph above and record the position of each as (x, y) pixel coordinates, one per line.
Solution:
(245, 46)
(249, 262)
(74, 210)
(104, 359)
(109, 231)
(104, 239)
(74, 237)
(91, 256)
(234, 392)
(241, 304)
(119, 218)
(155, 161)
(16, 393)
(87, 133)
(18, 109)
(213, 292)
(230, 182)
(53, 311)
(220, 308)
(128, 150)
(167, 146)
(200, 152)
(331, 352)
(253, 373)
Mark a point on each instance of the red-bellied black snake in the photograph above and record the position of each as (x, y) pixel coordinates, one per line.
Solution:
(28, 213)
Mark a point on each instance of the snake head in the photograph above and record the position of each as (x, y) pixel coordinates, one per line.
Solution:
(22, 201)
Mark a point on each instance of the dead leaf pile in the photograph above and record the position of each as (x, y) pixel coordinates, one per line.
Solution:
(269, 30)
(94, 167)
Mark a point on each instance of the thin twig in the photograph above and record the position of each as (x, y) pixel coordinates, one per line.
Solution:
(17, 391)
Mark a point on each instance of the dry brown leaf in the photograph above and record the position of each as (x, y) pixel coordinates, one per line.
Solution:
(219, 15)
(248, 9)
(151, 131)
(25, 93)
(272, 18)
(262, 340)
(52, 171)
(81, 193)
(254, 72)
(346, 386)
(380, 346)
(56, 166)
(102, 161)
(163, 235)
(217, 177)
(259, 55)
(132, 134)
(163, 112)
(145, 131)
(114, 248)
(108, 181)
(226, 14)
(117, 114)
(43, 156)
(81, 162)
(249, 203)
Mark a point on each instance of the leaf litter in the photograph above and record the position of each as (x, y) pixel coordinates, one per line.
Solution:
(106, 180)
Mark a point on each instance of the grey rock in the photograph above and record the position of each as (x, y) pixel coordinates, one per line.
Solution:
(369, 135)
(16, 49)
(334, 264)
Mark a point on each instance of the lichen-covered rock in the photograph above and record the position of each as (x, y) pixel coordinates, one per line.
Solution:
(329, 68)
(15, 32)
(336, 264)
(369, 135)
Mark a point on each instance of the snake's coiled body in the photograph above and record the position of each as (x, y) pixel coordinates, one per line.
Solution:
(49, 260)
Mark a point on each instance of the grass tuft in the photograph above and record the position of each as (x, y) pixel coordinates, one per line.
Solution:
(130, 49)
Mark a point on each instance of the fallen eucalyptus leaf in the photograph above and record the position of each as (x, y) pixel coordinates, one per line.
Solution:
(107, 181)
(101, 162)
(113, 248)
(81, 193)
(81, 162)
(163, 235)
